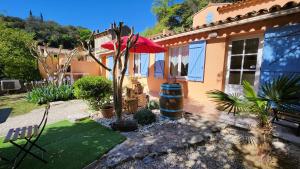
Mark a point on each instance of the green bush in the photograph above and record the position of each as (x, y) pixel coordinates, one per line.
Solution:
(50, 93)
(95, 89)
(144, 116)
(92, 87)
(152, 105)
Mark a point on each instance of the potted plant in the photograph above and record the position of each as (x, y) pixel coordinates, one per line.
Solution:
(102, 105)
(106, 107)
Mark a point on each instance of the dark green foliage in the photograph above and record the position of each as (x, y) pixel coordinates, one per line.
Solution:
(48, 31)
(16, 61)
(50, 93)
(124, 125)
(152, 105)
(144, 116)
(92, 86)
(97, 90)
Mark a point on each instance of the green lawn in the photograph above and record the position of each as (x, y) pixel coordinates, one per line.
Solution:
(69, 145)
(18, 103)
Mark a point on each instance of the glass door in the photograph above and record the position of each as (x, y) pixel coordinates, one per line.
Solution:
(244, 60)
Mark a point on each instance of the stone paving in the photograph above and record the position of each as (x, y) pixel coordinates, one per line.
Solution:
(60, 110)
(194, 142)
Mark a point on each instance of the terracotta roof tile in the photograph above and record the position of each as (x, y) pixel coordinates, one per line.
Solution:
(288, 5)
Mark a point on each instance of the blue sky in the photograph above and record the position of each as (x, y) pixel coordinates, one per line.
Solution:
(92, 14)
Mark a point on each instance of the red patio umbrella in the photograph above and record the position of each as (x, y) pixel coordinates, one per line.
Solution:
(143, 45)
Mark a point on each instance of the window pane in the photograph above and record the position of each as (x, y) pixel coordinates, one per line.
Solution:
(137, 63)
(234, 77)
(249, 76)
(250, 62)
(237, 47)
(184, 61)
(236, 62)
(251, 45)
(174, 61)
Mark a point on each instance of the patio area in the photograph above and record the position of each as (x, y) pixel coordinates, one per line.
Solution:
(199, 140)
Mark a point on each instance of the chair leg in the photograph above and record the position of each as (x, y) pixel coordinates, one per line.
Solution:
(27, 151)
(36, 145)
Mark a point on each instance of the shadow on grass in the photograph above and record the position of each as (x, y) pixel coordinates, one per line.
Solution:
(69, 145)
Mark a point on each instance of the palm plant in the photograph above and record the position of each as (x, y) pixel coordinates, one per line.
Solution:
(232, 102)
(281, 94)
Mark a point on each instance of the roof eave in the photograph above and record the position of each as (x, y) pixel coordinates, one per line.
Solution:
(234, 23)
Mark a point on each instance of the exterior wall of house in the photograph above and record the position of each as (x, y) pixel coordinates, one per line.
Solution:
(85, 67)
(234, 10)
(207, 14)
(52, 62)
(215, 60)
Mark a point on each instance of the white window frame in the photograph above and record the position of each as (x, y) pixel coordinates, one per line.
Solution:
(236, 87)
(139, 69)
(179, 61)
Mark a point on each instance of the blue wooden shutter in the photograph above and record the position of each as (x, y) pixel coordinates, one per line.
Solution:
(144, 64)
(196, 61)
(159, 65)
(281, 52)
(110, 65)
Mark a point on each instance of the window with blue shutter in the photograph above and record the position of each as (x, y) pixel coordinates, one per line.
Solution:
(159, 65)
(196, 61)
(144, 64)
(110, 64)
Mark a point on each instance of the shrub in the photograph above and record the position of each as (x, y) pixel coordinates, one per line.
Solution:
(50, 93)
(152, 105)
(144, 116)
(92, 87)
(95, 89)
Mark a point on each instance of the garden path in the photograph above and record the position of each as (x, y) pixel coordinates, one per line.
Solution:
(58, 111)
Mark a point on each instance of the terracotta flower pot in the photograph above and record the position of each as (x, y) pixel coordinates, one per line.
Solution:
(107, 111)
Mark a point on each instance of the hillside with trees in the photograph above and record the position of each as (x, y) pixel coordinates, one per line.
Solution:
(176, 16)
(47, 31)
(16, 36)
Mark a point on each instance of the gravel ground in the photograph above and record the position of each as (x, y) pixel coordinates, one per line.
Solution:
(58, 111)
(226, 147)
(224, 150)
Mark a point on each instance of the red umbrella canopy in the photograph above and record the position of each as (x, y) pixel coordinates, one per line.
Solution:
(143, 45)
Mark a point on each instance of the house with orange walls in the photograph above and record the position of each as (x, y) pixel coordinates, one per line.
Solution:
(253, 40)
(80, 65)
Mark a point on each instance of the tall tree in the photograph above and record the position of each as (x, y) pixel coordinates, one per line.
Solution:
(41, 17)
(16, 61)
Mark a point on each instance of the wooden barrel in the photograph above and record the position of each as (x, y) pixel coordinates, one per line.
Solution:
(171, 100)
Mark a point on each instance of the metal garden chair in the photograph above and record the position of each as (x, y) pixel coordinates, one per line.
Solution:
(31, 134)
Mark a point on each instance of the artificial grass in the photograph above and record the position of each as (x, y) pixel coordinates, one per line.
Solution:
(18, 103)
(69, 145)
